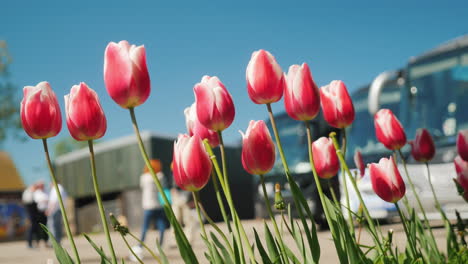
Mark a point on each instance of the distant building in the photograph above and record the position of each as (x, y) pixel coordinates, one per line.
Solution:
(12, 214)
(119, 165)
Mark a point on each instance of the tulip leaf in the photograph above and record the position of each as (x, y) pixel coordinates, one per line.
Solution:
(62, 256)
(224, 251)
(261, 249)
(98, 250)
(271, 245)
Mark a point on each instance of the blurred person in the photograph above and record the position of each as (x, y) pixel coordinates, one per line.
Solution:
(153, 211)
(42, 200)
(33, 214)
(53, 212)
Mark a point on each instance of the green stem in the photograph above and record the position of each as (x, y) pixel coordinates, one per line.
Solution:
(333, 194)
(227, 192)
(372, 228)
(220, 201)
(213, 224)
(197, 200)
(405, 227)
(131, 250)
(99, 200)
(272, 216)
(426, 221)
(59, 196)
(326, 210)
(184, 241)
(146, 247)
(345, 184)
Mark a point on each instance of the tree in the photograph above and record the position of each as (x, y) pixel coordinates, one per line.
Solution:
(10, 123)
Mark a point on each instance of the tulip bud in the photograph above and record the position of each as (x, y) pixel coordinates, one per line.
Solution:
(258, 149)
(40, 111)
(279, 201)
(325, 158)
(462, 144)
(191, 163)
(194, 126)
(359, 162)
(389, 130)
(337, 107)
(215, 109)
(85, 117)
(301, 95)
(386, 180)
(265, 80)
(125, 74)
(422, 148)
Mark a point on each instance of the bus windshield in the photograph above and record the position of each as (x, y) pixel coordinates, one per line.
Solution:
(437, 97)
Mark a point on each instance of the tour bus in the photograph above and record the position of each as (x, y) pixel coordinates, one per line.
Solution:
(293, 137)
(432, 93)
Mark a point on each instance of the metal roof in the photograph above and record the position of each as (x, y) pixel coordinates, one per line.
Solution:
(108, 145)
(453, 44)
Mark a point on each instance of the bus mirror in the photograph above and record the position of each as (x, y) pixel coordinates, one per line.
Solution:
(376, 89)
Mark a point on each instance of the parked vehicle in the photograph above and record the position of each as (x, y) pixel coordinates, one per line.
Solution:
(431, 92)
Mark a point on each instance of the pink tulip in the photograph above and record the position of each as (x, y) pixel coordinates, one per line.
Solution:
(337, 107)
(85, 117)
(325, 158)
(359, 162)
(215, 109)
(462, 144)
(461, 167)
(125, 74)
(258, 149)
(194, 127)
(301, 95)
(389, 130)
(265, 80)
(191, 163)
(386, 180)
(40, 112)
(422, 148)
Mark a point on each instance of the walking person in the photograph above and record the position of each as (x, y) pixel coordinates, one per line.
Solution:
(31, 209)
(41, 199)
(54, 214)
(153, 211)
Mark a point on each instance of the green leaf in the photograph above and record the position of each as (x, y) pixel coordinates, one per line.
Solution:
(60, 252)
(98, 250)
(263, 254)
(224, 251)
(271, 245)
(185, 249)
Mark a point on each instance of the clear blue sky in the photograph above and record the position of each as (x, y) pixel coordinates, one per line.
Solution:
(63, 43)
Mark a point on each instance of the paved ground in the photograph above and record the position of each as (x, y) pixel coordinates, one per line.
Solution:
(17, 252)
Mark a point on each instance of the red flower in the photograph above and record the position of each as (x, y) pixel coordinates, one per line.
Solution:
(194, 127)
(389, 130)
(215, 109)
(325, 158)
(386, 180)
(40, 111)
(462, 144)
(125, 74)
(301, 95)
(337, 107)
(265, 80)
(422, 148)
(85, 117)
(191, 163)
(258, 149)
(461, 167)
